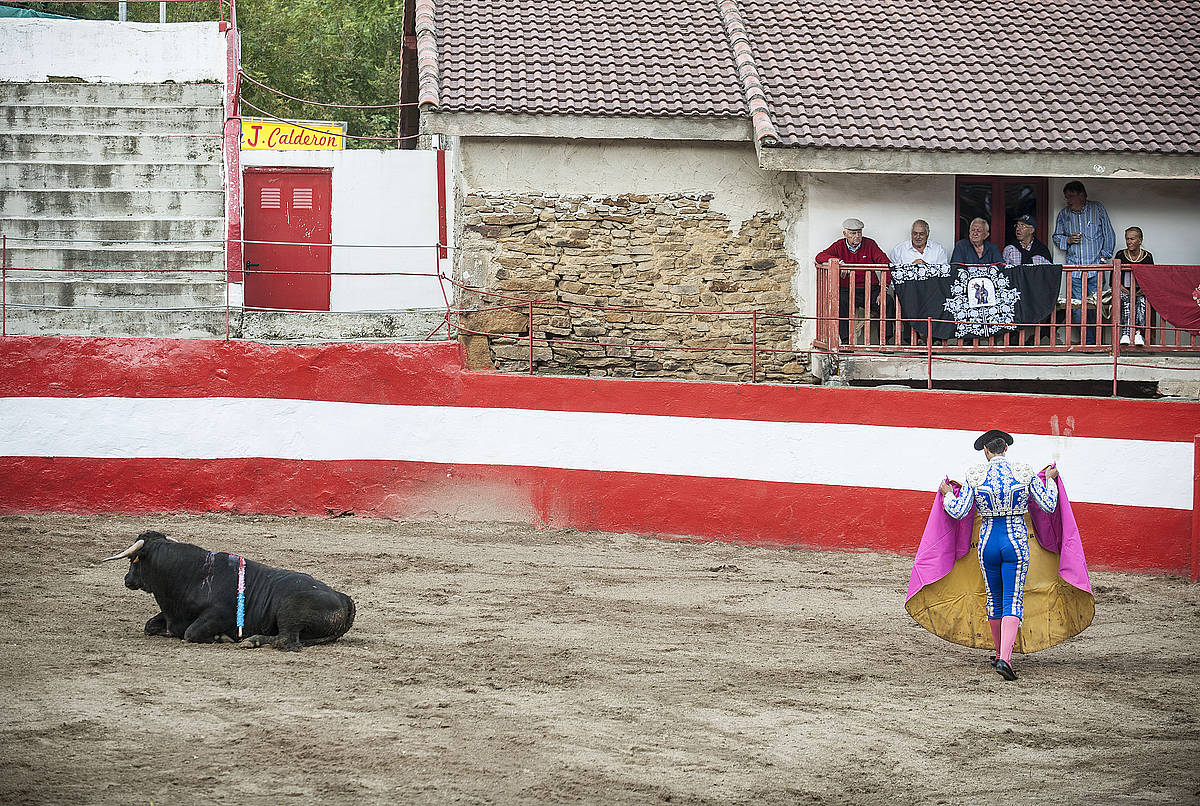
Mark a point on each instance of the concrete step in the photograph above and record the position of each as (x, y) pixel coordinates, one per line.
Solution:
(26, 146)
(77, 118)
(101, 203)
(291, 326)
(113, 295)
(64, 93)
(163, 258)
(147, 324)
(121, 175)
(113, 230)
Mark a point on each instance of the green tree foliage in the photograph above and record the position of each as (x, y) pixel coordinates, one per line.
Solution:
(332, 51)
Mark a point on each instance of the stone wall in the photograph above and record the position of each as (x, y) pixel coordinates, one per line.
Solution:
(586, 258)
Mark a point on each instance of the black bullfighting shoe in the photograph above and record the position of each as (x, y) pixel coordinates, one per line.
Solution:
(993, 660)
(1004, 670)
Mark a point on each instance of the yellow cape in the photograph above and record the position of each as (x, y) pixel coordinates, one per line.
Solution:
(955, 607)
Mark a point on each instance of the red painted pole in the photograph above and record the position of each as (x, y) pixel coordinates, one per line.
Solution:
(1196, 512)
(1115, 311)
(754, 347)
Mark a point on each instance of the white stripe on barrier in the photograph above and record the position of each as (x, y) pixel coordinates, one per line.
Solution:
(1127, 472)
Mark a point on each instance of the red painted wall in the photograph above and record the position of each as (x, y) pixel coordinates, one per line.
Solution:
(767, 513)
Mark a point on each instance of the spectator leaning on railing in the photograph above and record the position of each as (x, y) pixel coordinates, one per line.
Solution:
(976, 249)
(853, 248)
(1027, 250)
(1083, 231)
(1132, 253)
(919, 249)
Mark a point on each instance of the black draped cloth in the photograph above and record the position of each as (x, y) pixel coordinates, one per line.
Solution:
(975, 301)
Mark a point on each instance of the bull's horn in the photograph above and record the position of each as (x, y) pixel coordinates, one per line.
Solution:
(136, 545)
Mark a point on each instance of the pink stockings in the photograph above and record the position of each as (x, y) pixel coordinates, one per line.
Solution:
(1004, 635)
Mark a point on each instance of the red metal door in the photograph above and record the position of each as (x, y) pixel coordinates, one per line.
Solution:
(287, 206)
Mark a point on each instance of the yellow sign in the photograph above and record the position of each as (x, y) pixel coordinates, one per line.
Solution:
(295, 135)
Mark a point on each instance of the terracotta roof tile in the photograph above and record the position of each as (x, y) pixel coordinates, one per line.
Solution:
(626, 57)
(1042, 75)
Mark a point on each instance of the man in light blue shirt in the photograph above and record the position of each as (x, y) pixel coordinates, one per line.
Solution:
(1083, 231)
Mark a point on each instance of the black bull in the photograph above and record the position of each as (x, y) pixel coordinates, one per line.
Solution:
(197, 592)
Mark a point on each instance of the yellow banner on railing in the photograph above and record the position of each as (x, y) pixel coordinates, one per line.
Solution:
(295, 135)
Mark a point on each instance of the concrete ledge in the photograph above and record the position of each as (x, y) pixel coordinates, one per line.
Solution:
(900, 161)
(1142, 365)
(590, 127)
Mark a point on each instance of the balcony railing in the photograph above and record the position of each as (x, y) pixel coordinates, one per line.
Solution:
(1093, 324)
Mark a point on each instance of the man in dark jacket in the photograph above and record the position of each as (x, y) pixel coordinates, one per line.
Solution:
(976, 249)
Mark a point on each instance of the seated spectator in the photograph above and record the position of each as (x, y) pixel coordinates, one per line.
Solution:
(1132, 253)
(919, 249)
(1028, 250)
(976, 249)
(853, 248)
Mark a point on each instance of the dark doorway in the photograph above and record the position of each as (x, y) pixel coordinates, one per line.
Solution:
(1001, 200)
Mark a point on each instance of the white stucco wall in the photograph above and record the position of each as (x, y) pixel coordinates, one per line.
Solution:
(119, 52)
(380, 198)
(728, 171)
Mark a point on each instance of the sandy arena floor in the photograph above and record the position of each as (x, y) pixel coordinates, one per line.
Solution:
(493, 663)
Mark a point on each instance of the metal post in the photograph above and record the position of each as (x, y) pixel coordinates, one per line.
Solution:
(162, 12)
(754, 347)
(531, 337)
(122, 9)
(928, 352)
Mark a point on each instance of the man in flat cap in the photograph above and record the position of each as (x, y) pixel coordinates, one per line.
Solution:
(853, 248)
(1027, 250)
(1000, 490)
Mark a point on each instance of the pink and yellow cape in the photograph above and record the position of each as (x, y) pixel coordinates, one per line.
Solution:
(946, 594)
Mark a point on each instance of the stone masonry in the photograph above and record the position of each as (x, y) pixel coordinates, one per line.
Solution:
(586, 261)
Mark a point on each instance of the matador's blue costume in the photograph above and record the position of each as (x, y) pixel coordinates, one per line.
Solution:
(1000, 491)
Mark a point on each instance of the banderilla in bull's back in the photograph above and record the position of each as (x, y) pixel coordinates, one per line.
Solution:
(204, 596)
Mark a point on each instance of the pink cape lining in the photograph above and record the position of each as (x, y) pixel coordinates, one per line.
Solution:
(945, 540)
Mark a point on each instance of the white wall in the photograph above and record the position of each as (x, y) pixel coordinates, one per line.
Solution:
(729, 171)
(118, 52)
(380, 198)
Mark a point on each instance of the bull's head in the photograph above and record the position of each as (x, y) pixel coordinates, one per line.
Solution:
(134, 579)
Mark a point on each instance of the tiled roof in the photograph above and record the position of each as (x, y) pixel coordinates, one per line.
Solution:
(625, 57)
(942, 75)
(1037, 75)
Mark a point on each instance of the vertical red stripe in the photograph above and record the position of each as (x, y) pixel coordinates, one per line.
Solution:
(441, 191)
(1196, 512)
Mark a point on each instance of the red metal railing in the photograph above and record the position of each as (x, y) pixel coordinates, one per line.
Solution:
(1076, 326)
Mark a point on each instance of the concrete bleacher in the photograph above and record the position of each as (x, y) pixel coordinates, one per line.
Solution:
(121, 177)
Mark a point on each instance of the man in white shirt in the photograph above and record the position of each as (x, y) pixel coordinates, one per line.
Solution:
(919, 249)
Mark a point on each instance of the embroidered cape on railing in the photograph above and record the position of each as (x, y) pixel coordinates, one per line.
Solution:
(982, 300)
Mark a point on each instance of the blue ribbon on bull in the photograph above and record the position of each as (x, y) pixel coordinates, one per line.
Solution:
(241, 600)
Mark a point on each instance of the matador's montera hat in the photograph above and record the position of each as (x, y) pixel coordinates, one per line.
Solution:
(984, 439)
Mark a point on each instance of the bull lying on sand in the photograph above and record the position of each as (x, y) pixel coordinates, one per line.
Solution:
(204, 595)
